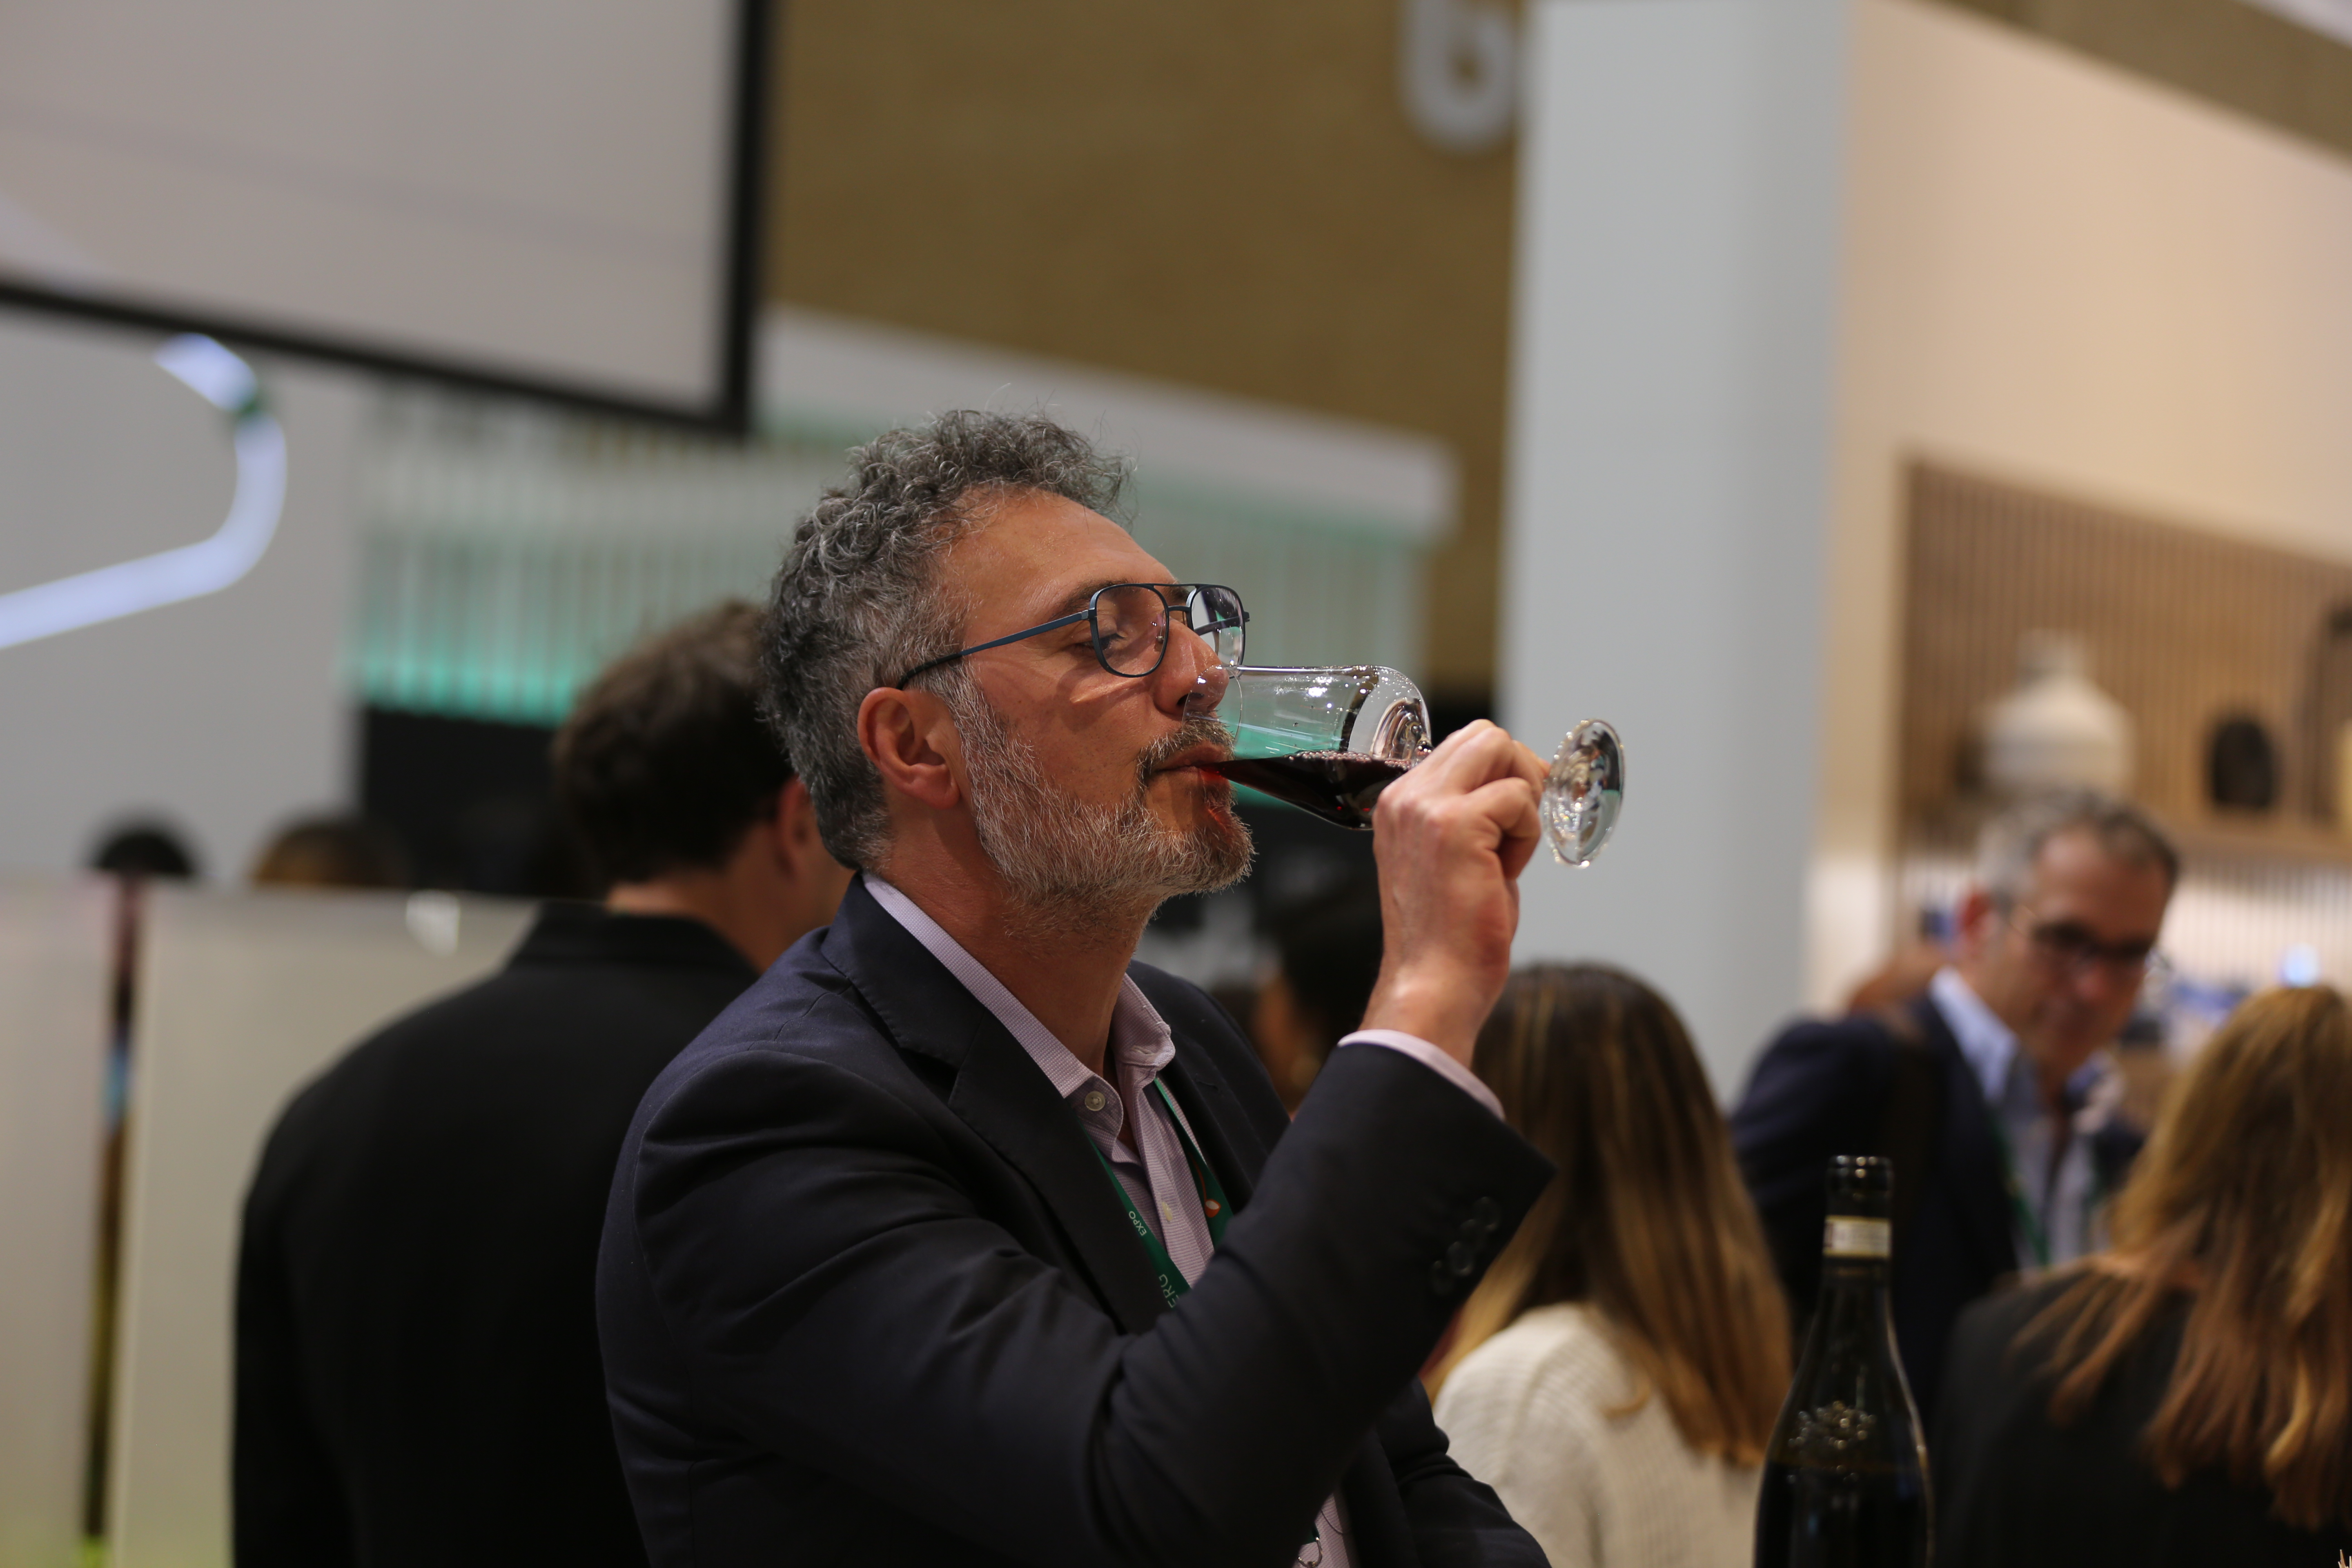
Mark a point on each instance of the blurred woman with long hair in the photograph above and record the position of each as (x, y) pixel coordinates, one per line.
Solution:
(2186, 1397)
(1616, 1374)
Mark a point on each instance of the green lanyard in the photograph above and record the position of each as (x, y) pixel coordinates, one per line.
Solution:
(2028, 1222)
(2021, 1213)
(1213, 1204)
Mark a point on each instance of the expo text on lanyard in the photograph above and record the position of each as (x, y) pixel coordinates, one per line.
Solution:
(1213, 1204)
(1217, 1209)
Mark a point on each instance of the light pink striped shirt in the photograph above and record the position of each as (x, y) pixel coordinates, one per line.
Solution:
(1159, 1181)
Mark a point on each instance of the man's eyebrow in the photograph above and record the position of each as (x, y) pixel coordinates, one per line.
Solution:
(1078, 598)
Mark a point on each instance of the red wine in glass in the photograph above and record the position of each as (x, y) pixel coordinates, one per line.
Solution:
(1330, 738)
(1338, 786)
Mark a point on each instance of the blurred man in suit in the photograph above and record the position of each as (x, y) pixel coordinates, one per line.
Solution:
(1978, 1089)
(963, 1238)
(417, 1377)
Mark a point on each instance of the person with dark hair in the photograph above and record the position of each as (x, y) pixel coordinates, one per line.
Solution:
(2185, 1398)
(683, 797)
(1616, 1374)
(1976, 1090)
(417, 1377)
(338, 851)
(963, 1237)
(145, 849)
(1328, 957)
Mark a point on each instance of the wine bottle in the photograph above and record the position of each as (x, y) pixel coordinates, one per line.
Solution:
(1845, 1476)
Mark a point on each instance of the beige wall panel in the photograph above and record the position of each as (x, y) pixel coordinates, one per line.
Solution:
(2225, 51)
(2058, 275)
(243, 998)
(1222, 194)
(55, 963)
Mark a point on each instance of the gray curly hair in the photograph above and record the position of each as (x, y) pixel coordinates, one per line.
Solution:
(858, 601)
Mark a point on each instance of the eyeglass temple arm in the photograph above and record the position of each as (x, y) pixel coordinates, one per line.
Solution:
(999, 642)
(1217, 626)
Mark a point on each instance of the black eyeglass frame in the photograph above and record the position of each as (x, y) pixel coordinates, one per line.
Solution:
(1094, 629)
(2063, 945)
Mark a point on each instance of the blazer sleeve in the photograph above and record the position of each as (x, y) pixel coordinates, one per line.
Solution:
(287, 1501)
(836, 1293)
(1818, 1090)
(1456, 1520)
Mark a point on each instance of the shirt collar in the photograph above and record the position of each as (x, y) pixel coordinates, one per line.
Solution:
(570, 933)
(1988, 1045)
(1139, 1037)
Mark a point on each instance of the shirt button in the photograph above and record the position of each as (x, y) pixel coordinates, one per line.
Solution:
(1093, 1099)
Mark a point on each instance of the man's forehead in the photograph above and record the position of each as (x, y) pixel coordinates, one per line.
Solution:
(2079, 869)
(1050, 553)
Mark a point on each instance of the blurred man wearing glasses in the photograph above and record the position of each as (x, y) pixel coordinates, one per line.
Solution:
(1981, 1090)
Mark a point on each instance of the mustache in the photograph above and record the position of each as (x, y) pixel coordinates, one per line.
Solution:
(1200, 729)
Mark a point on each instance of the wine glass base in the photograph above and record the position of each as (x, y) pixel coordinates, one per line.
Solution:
(1584, 792)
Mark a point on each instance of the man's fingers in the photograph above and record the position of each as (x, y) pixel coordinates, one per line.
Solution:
(1442, 763)
(1510, 804)
(1518, 849)
(1476, 752)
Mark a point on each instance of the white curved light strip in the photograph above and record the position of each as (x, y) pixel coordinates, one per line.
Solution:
(190, 570)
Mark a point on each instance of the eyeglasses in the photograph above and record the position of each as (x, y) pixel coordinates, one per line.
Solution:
(1129, 623)
(2070, 946)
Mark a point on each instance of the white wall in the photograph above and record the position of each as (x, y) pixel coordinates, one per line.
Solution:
(57, 949)
(223, 713)
(2065, 276)
(1668, 478)
(243, 998)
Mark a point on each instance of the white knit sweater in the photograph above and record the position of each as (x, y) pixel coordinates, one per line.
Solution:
(1527, 1413)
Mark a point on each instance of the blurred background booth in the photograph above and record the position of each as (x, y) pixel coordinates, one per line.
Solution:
(1855, 343)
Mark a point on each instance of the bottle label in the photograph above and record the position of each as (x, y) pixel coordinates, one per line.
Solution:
(1849, 1236)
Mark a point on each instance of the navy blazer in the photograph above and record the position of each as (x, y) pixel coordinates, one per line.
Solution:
(417, 1372)
(1823, 1088)
(866, 1296)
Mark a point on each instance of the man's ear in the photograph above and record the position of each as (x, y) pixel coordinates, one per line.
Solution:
(1972, 922)
(793, 824)
(911, 740)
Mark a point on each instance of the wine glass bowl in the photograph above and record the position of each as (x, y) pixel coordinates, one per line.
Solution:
(1330, 738)
(1364, 710)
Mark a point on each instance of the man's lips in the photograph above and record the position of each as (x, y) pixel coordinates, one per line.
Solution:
(1192, 759)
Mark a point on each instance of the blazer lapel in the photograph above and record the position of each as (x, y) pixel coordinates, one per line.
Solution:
(1971, 1156)
(1003, 1096)
(1000, 1094)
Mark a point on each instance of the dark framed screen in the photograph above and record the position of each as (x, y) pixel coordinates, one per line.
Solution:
(558, 197)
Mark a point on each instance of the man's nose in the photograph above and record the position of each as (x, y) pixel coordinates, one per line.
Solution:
(2100, 982)
(1192, 662)
(1208, 690)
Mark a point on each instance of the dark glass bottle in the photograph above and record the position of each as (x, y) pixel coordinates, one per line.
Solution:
(1846, 1477)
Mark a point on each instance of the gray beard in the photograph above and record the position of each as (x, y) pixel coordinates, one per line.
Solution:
(1075, 868)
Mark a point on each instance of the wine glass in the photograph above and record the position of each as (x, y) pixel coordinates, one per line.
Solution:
(1329, 739)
